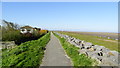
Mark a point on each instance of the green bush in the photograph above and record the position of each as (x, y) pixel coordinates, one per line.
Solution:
(10, 35)
(27, 54)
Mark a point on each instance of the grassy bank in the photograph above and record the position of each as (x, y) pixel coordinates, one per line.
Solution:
(72, 52)
(27, 54)
(111, 44)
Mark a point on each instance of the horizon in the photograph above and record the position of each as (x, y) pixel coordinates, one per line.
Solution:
(84, 31)
(64, 16)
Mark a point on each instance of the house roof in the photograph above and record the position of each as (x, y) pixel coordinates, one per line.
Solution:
(27, 27)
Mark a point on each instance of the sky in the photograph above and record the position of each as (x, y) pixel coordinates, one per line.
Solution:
(59, 0)
(68, 16)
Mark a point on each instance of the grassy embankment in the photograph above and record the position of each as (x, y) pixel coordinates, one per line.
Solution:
(72, 52)
(108, 43)
(27, 54)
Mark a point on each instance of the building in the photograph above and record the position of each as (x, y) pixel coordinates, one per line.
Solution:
(26, 29)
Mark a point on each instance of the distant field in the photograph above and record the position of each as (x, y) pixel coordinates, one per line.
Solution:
(94, 37)
(101, 34)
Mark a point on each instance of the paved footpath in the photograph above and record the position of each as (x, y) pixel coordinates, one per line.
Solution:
(54, 54)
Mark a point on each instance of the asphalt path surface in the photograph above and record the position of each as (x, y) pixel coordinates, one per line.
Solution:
(55, 54)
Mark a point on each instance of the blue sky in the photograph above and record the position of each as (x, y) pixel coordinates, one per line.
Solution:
(71, 16)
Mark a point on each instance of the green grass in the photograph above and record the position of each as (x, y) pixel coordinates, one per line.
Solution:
(95, 40)
(27, 54)
(72, 52)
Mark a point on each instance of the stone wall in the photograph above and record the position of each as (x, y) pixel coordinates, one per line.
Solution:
(103, 55)
(7, 45)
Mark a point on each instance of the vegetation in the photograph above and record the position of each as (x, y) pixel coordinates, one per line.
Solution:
(72, 52)
(43, 31)
(111, 44)
(11, 32)
(27, 54)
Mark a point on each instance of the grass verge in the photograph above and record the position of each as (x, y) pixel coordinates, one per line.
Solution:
(72, 52)
(27, 54)
(95, 40)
